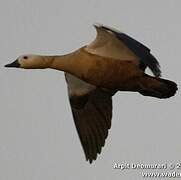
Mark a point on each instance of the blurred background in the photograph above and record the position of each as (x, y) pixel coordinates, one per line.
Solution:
(38, 140)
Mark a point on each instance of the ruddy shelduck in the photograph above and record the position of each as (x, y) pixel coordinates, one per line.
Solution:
(94, 73)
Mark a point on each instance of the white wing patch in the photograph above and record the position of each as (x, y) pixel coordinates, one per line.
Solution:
(108, 45)
(118, 45)
(77, 87)
(99, 25)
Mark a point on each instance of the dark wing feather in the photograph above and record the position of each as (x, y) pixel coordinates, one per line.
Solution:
(92, 115)
(140, 50)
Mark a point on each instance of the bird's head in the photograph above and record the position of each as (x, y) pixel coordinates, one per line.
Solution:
(30, 62)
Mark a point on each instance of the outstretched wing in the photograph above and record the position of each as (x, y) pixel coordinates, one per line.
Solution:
(112, 43)
(92, 113)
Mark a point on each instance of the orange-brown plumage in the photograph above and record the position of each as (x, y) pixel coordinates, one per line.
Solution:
(94, 73)
(104, 72)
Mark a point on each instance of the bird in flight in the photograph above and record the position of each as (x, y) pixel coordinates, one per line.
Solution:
(113, 62)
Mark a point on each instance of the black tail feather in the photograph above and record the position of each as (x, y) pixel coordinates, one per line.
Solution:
(157, 87)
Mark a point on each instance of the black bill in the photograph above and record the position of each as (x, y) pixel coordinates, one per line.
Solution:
(15, 64)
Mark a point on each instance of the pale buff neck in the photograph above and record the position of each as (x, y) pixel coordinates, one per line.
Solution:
(73, 63)
(59, 62)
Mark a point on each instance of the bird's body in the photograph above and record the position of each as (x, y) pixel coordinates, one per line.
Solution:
(94, 73)
(100, 71)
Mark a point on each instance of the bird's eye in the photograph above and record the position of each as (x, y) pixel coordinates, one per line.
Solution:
(25, 57)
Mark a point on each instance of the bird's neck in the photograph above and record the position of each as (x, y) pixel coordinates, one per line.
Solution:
(60, 62)
(76, 63)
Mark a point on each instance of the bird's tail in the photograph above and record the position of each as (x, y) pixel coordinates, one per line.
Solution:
(157, 87)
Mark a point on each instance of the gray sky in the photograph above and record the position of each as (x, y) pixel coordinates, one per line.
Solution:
(38, 140)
